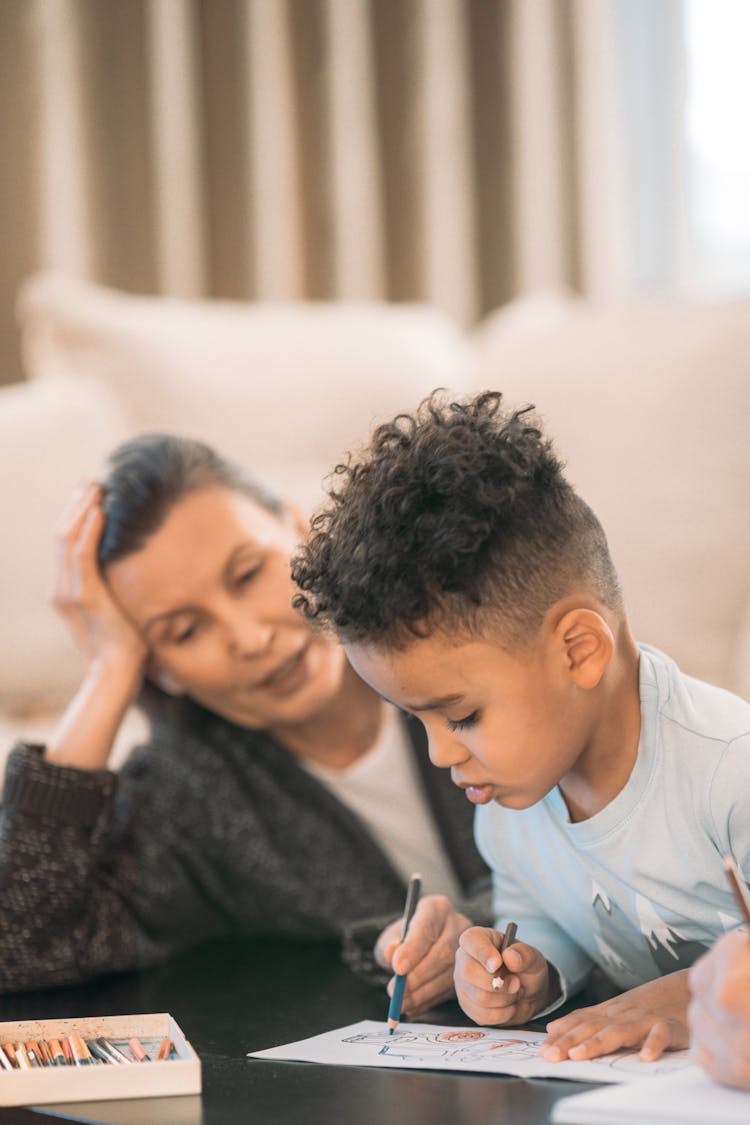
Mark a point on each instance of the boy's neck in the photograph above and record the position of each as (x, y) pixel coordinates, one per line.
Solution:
(607, 761)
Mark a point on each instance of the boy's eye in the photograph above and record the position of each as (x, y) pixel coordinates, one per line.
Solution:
(461, 724)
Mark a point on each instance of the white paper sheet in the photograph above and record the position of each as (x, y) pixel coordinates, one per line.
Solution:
(487, 1050)
(687, 1097)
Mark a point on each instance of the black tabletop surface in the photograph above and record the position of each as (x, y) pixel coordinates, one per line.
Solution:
(231, 998)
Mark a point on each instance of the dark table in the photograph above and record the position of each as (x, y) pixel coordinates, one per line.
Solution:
(231, 998)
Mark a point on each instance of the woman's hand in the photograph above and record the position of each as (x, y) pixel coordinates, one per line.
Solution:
(81, 596)
(426, 955)
(114, 649)
(500, 988)
(719, 1011)
(651, 1018)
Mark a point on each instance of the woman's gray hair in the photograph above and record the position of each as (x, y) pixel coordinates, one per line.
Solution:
(145, 476)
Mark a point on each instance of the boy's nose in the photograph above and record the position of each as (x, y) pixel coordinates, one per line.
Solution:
(445, 749)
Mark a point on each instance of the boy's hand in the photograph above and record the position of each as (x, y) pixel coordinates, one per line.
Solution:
(525, 978)
(427, 954)
(652, 1017)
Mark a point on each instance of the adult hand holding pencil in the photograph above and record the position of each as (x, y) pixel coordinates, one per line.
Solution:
(412, 898)
(427, 953)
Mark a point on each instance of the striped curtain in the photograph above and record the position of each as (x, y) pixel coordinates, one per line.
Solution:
(460, 152)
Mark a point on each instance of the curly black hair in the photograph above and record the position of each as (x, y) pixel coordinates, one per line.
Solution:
(450, 517)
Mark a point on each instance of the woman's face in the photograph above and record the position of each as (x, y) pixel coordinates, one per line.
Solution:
(211, 593)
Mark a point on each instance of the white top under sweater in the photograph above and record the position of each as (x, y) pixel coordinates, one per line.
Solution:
(382, 788)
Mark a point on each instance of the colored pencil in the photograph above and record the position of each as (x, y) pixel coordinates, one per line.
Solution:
(4, 1060)
(57, 1052)
(79, 1050)
(508, 938)
(47, 1057)
(10, 1051)
(165, 1049)
(138, 1050)
(97, 1052)
(739, 891)
(23, 1059)
(35, 1055)
(115, 1053)
(412, 898)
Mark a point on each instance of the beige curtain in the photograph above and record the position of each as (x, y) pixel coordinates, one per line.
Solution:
(460, 152)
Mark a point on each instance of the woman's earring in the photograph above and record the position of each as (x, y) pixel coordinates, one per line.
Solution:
(167, 683)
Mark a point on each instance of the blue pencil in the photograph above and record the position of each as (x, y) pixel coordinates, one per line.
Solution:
(412, 898)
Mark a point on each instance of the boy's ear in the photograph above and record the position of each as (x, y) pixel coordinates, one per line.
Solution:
(587, 644)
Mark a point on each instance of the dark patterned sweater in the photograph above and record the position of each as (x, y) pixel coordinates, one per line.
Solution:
(210, 830)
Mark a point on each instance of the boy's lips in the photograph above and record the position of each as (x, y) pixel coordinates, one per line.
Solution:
(480, 794)
(477, 794)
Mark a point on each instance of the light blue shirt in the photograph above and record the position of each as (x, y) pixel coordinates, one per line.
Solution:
(639, 888)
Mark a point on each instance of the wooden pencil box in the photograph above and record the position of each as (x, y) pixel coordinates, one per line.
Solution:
(41, 1085)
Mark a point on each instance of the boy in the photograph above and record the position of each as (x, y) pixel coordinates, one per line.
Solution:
(472, 587)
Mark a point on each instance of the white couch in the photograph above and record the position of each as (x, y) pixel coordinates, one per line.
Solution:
(649, 403)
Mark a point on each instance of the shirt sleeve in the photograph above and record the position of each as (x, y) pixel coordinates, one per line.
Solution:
(512, 903)
(83, 889)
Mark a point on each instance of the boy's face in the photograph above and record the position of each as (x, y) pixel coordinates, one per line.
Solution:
(509, 726)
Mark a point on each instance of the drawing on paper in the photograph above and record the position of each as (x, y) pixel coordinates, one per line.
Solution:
(457, 1045)
(488, 1050)
(629, 1061)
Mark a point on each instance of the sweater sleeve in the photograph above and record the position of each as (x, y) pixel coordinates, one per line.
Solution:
(511, 902)
(78, 896)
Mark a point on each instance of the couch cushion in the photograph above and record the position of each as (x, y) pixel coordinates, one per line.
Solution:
(649, 404)
(283, 387)
(53, 434)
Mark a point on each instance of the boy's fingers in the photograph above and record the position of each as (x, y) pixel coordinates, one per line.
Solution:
(476, 995)
(593, 1014)
(658, 1040)
(519, 957)
(481, 945)
(585, 1042)
(590, 1039)
(570, 1033)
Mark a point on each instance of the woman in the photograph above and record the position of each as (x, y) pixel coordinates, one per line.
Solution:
(276, 792)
